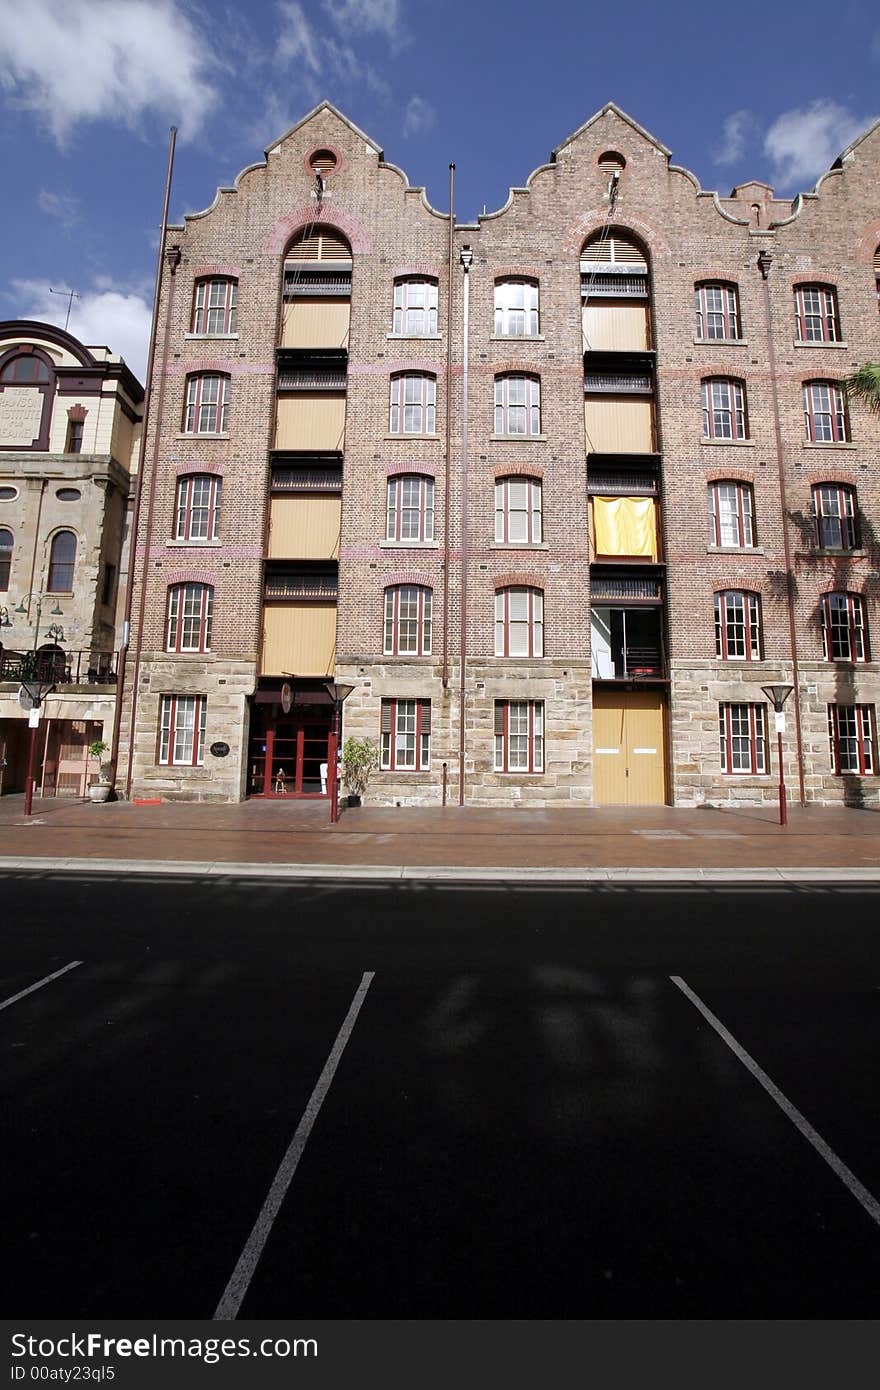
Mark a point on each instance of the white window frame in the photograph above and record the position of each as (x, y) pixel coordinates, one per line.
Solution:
(410, 318)
(413, 404)
(406, 744)
(518, 510)
(516, 308)
(852, 736)
(816, 316)
(738, 627)
(215, 301)
(190, 615)
(731, 511)
(844, 626)
(197, 507)
(409, 511)
(182, 720)
(716, 304)
(408, 620)
(843, 520)
(724, 408)
(825, 420)
(743, 735)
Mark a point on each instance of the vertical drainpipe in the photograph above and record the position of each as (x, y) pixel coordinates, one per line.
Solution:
(446, 546)
(139, 485)
(467, 257)
(765, 260)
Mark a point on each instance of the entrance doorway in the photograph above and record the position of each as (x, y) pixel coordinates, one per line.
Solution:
(289, 753)
(629, 764)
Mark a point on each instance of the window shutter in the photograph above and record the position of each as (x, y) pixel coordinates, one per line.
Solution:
(386, 717)
(323, 244)
(426, 716)
(499, 716)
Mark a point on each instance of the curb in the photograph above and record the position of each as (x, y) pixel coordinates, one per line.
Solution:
(436, 873)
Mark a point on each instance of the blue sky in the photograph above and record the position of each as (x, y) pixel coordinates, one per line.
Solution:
(89, 89)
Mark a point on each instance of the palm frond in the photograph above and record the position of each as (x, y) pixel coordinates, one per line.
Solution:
(864, 385)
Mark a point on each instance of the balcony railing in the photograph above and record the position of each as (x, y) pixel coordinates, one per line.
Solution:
(311, 284)
(311, 380)
(306, 479)
(626, 284)
(301, 586)
(617, 384)
(616, 484)
(605, 588)
(60, 667)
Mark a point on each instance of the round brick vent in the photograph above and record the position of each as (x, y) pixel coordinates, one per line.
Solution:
(323, 162)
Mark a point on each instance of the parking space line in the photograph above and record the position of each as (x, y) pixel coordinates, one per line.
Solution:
(837, 1165)
(47, 979)
(236, 1289)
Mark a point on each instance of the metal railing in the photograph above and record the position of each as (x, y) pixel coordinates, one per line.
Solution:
(603, 588)
(618, 383)
(309, 284)
(324, 586)
(306, 380)
(628, 284)
(60, 667)
(306, 479)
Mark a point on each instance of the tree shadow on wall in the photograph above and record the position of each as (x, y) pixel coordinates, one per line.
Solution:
(835, 571)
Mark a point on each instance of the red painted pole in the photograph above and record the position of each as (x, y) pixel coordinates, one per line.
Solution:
(783, 800)
(333, 771)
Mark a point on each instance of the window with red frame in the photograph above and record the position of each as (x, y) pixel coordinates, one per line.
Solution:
(743, 730)
(182, 730)
(724, 409)
(214, 307)
(410, 508)
(852, 735)
(835, 514)
(413, 404)
(731, 515)
(517, 405)
(62, 562)
(406, 736)
(197, 508)
(519, 736)
(408, 617)
(815, 312)
(189, 619)
(26, 370)
(825, 419)
(844, 630)
(519, 622)
(738, 626)
(717, 310)
(518, 518)
(207, 397)
(516, 308)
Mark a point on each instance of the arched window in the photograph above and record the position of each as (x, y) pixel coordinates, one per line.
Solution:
(731, 515)
(815, 312)
(724, 409)
(518, 405)
(518, 511)
(26, 369)
(197, 509)
(844, 629)
(410, 508)
(413, 403)
(516, 308)
(415, 306)
(189, 618)
(7, 542)
(408, 617)
(519, 622)
(62, 560)
(825, 419)
(214, 306)
(29, 374)
(738, 626)
(614, 246)
(207, 400)
(717, 309)
(836, 516)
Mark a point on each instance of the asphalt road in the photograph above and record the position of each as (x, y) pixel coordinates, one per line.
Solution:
(527, 1114)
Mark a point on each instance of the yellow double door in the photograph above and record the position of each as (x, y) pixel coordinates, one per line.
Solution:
(629, 763)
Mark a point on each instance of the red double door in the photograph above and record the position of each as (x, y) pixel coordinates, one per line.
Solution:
(290, 756)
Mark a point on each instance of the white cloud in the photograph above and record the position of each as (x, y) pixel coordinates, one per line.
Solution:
(325, 63)
(419, 116)
(804, 142)
(737, 131)
(298, 41)
(61, 205)
(92, 60)
(102, 317)
(369, 17)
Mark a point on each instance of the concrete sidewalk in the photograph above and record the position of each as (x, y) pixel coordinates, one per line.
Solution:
(294, 838)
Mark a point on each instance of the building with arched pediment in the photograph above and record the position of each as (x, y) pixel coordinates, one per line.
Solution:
(70, 423)
(557, 493)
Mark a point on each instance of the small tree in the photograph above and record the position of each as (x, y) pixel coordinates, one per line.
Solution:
(359, 757)
(105, 769)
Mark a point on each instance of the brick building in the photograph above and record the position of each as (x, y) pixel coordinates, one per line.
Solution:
(70, 427)
(556, 493)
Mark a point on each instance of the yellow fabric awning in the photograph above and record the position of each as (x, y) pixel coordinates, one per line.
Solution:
(625, 526)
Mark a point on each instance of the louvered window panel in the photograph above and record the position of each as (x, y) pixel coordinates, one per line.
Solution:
(613, 249)
(322, 244)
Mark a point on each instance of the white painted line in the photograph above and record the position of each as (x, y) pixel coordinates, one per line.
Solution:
(234, 1293)
(837, 1165)
(13, 999)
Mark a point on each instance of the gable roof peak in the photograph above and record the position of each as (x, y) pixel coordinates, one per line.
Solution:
(339, 115)
(611, 108)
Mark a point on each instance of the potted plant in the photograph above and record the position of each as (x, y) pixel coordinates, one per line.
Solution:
(100, 790)
(359, 757)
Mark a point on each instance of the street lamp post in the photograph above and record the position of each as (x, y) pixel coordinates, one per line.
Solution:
(778, 694)
(36, 689)
(338, 692)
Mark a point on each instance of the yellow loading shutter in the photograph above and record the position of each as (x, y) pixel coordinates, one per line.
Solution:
(316, 323)
(618, 426)
(625, 526)
(629, 733)
(615, 327)
(299, 638)
(312, 421)
(304, 528)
